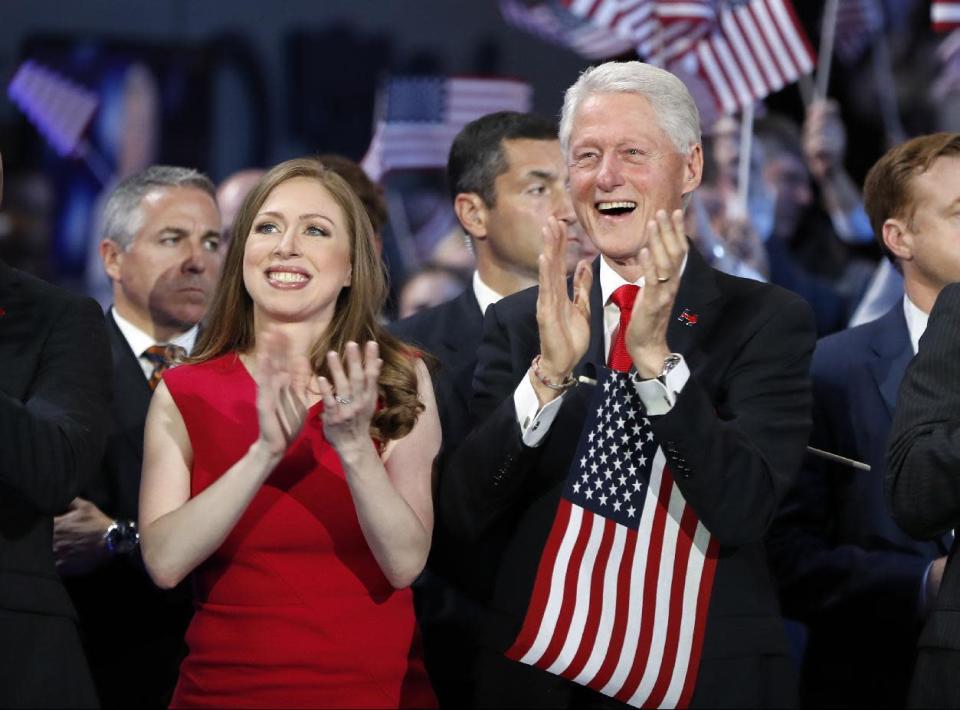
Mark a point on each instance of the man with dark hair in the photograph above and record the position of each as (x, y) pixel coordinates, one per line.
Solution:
(506, 178)
(861, 584)
(161, 249)
(54, 395)
(923, 232)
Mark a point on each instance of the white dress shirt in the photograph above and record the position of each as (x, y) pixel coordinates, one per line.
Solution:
(916, 322)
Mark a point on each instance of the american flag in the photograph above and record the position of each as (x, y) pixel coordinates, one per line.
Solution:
(422, 116)
(743, 49)
(757, 48)
(661, 30)
(858, 23)
(945, 15)
(623, 586)
(60, 108)
(554, 23)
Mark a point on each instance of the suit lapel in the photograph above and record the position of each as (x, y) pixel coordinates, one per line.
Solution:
(893, 351)
(131, 391)
(462, 332)
(697, 302)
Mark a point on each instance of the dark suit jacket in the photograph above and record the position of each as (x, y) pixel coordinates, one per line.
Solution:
(54, 393)
(923, 482)
(450, 332)
(845, 568)
(734, 439)
(132, 631)
(448, 592)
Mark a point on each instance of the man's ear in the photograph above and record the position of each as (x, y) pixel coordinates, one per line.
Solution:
(111, 254)
(898, 239)
(472, 213)
(692, 169)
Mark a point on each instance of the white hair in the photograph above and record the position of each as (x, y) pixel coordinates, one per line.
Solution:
(675, 109)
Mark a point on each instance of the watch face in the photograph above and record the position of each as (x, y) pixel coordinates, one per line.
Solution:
(121, 538)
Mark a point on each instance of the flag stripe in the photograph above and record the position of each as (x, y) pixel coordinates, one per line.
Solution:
(576, 594)
(758, 43)
(608, 558)
(538, 602)
(650, 588)
(699, 628)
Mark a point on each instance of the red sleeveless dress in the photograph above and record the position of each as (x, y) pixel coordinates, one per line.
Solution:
(292, 610)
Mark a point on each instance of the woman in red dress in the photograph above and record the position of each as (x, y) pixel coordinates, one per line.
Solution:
(291, 472)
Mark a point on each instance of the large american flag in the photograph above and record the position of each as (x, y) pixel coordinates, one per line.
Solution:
(623, 586)
(742, 49)
(422, 116)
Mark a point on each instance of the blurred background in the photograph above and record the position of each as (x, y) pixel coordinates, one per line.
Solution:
(228, 86)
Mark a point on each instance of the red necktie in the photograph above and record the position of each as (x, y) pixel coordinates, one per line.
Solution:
(624, 297)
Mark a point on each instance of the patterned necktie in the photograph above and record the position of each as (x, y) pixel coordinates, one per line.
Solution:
(624, 297)
(162, 357)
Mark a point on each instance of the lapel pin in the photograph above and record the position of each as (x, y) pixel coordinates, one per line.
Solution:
(3, 311)
(688, 317)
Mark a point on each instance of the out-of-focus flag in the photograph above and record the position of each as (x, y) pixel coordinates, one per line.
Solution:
(945, 15)
(743, 49)
(660, 30)
(858, 23)
(948, 80)
(758, 47)
(422, 116)
(59, 108)
(552, 22)
(622, 589)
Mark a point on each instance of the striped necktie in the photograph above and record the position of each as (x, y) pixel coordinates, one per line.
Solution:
(162, 357)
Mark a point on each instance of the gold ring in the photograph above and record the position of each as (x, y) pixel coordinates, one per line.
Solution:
(663, 279)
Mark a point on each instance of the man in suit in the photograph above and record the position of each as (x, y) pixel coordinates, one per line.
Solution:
(506, 178)
(924, 458)
(631, 566)
(161, 250)
(54, 394)
(845, 568)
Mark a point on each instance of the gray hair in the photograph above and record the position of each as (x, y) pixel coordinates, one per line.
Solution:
(675, 109)
(122, 215)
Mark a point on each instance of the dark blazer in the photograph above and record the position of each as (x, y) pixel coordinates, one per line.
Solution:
(133, 632)
(734, 438)
(54, 394)
(449, 591)
(450, 332)
(844, 567)
(924, 488)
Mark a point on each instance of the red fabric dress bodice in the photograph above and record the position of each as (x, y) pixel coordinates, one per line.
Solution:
(292, 610)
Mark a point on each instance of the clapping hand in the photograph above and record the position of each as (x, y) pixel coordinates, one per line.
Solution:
(564, 323)
(661, 259)
(351, 399)
(284, 384)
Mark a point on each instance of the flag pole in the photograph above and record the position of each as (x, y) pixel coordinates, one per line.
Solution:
(828, 33)
(883, 81)
(743, 167)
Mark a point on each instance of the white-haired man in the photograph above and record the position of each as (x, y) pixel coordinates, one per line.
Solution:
(631, 509)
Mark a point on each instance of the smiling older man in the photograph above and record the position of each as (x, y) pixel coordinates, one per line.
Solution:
(633, 441)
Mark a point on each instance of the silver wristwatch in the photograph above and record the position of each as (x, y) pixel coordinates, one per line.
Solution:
(670, 362)
(121, 537)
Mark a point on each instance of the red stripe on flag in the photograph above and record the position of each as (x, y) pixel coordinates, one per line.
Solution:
(703, 604)
(589, 635)
(688, 527)
(541, 588)
(569, 599)
(609, 664)
(651, 574)
(750, 24)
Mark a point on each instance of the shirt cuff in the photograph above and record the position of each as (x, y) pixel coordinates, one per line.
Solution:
(658, 397)
(534, 421)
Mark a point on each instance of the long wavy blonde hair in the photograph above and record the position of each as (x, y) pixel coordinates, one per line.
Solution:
(230, 318)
